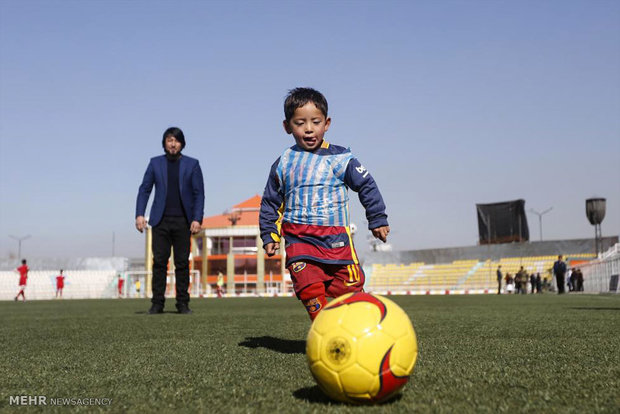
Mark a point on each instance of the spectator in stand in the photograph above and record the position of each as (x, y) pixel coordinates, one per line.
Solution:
(499, 279)
(532, 283)
(559, 270)
(538, 283)
(60, 284)
(23, 279)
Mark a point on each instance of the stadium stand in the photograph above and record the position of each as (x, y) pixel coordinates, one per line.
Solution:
(470, 269)
(459, 276)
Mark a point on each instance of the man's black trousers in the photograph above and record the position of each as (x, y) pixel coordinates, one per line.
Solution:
(560, 280)
(171, 232)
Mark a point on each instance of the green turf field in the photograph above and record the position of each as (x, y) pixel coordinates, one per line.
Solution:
(536, 354)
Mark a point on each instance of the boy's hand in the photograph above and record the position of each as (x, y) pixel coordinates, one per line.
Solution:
(271, 248)
(381, 233)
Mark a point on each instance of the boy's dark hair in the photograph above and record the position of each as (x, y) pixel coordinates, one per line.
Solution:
(175, 132)
(298, 97)
(23, 261)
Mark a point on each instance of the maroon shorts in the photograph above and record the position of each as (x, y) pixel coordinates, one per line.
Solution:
(338, 279)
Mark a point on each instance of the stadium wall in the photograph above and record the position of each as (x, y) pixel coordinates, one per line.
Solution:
(79, 284)
(118, 264)
(488, 252)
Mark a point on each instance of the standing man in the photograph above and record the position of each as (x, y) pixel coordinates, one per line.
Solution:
(23, 279)
(177, 212)
(559, 270)
(499, 279)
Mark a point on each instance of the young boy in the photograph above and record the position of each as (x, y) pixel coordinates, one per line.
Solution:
(306, 202)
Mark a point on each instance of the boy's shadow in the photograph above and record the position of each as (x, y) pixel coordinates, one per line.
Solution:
(284, 346)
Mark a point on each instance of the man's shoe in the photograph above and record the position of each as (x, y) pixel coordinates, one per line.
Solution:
(155, 309)
(183, 308)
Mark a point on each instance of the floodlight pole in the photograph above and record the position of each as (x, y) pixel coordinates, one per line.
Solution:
(19, 245)
(540, 214)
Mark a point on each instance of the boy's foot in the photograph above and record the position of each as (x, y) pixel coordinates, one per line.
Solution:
(183, 308)
(155, 309)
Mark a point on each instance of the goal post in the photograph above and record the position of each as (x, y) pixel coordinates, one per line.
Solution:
(135, 285)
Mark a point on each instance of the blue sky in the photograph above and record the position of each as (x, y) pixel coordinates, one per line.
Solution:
(447, 103)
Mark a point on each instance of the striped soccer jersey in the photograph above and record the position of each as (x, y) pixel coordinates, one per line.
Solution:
(306, 201)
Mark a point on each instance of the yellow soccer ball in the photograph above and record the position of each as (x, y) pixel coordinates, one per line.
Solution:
(361, 348)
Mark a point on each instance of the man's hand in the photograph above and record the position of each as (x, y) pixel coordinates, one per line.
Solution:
(381, 233)
(270, 248)
(195, 227)
(140, 223)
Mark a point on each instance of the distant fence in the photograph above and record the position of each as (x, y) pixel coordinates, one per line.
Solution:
(601, 275)
(104, 284)
(135, 284)
(78, 284)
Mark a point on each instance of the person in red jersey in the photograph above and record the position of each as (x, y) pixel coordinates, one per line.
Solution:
(60, 283)
(121, 282)
(23, 279)
(306, 202)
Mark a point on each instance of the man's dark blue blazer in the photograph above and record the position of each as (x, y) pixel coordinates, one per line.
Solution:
(191, 186)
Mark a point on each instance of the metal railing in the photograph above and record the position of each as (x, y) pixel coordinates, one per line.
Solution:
(602, 275)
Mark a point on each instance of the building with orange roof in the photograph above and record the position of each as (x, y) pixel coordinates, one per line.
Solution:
(230, 244)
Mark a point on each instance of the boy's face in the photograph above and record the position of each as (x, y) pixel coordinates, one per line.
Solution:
(308, 126)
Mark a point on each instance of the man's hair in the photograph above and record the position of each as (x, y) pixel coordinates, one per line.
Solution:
(23, 261)
(298, 97)
(175, 132)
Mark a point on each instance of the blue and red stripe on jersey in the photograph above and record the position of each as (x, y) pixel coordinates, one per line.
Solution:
(324, 244)
(305, 200)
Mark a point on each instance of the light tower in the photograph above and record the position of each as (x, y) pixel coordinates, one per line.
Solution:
(19, 245)
(540, 214)
(595, 211)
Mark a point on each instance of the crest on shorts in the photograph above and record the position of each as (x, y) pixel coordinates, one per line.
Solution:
(298, 267)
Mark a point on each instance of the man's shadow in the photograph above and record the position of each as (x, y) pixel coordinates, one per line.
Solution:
(284, 346)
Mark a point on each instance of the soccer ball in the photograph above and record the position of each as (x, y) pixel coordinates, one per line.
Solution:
(361, 348)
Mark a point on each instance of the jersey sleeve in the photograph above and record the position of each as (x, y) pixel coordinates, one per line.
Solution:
(358, 179)
(271, 207)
